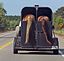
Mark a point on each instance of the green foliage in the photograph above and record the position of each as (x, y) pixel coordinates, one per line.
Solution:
(59, 32)
(2, 10)
(58, 22)
(60, 12)
(7, 22)
(59, 18)
(11, 22)
(2, 17)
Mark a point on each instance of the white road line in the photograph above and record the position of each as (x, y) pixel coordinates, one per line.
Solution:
(61, 53)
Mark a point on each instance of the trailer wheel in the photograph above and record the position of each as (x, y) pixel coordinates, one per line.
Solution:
(55, 51)
(15, 51)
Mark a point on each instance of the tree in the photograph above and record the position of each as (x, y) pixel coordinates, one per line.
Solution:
(2, 18)
(11, 22)
(2, 10)
(60, 12)
(58, 22)
(59, 18)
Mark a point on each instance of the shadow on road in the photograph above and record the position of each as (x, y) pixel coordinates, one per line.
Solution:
(62, 50)
(39, 53)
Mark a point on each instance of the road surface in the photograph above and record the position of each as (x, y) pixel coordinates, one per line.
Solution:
(6, 51)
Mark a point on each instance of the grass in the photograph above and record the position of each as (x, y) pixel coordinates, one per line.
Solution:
(59, 32)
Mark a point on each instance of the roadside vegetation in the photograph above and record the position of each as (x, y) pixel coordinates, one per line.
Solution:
(7, 23)
(59, 21)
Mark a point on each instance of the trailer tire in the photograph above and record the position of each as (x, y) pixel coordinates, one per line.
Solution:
(55, 51)
(15, 51)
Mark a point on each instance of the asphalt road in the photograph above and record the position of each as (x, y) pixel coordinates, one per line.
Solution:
(6, 52)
